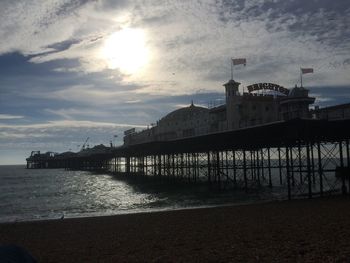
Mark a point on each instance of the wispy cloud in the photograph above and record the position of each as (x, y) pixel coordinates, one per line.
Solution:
(70, 124)
(10, 117)
(18, 135)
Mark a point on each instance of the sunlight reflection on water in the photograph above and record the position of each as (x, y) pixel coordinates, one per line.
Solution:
(32, 194)
(49, 194)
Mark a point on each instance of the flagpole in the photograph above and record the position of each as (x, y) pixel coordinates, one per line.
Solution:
(301, 78)
(231, 68)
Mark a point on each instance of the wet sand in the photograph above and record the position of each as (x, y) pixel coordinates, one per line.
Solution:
(315, 230)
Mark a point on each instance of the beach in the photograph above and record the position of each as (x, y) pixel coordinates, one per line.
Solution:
(316, 230)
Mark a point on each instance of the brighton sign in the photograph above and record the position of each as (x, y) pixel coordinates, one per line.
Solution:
(268, 86)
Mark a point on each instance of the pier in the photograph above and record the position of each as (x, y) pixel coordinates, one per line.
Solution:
(304, 157)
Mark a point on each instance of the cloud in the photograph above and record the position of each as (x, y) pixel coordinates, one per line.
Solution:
(67, 123)
(54, 81)
(72, 113)
(329, 96)
(10, 117)
(57, 29)
(18, 135)
(58, 136)
(31, 27)
(275, 38)
(204, 35)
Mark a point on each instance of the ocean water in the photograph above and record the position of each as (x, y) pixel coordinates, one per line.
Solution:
(35, 194)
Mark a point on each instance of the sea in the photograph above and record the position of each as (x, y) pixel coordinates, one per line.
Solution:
(42, 194)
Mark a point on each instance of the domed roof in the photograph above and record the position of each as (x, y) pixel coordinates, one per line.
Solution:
(184, 113)
(298, 92)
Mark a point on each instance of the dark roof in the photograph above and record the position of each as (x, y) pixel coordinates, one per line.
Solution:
(218, 108)
(298, 92)
(184, 113)
(231, 81)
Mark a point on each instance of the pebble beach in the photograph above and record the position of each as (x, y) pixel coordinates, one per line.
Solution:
(316, 230)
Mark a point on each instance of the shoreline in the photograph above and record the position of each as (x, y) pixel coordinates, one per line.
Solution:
(298, 230)
(144, 211)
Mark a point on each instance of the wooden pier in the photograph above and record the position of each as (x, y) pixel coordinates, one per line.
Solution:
(300, 157)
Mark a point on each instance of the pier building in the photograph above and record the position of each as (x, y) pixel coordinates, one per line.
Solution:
(262, 103)
(184, 122)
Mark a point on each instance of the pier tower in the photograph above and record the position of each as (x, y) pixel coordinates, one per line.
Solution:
(233, 102)
(296, 105)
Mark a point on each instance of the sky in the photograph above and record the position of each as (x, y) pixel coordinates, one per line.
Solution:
(72, 69)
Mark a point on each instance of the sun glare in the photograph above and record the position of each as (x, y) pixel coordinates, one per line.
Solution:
(126, 50)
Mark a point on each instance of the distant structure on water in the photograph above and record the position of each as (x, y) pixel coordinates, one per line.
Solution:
(263, 103)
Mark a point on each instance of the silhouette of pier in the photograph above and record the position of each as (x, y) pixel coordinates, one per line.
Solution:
(303, 156)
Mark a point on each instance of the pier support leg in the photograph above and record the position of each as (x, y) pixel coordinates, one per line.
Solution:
(341, 157)
(269, 166)
(245, 171)
(226, 167)
(292, 166)
(181, 166)
(288, 174)
(159, 174)
(300, 164)
(209, 168)
(115, 164)
(257, 164)
(313, 163)
(252, 166)
(279, 164)
(309, 181)
(234, 168)
(218, 169)
(127, 163)
(262, 164)
(348, 161)
(320, 169)
(173, 166)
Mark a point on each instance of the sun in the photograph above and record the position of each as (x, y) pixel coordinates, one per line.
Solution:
(126, 50)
